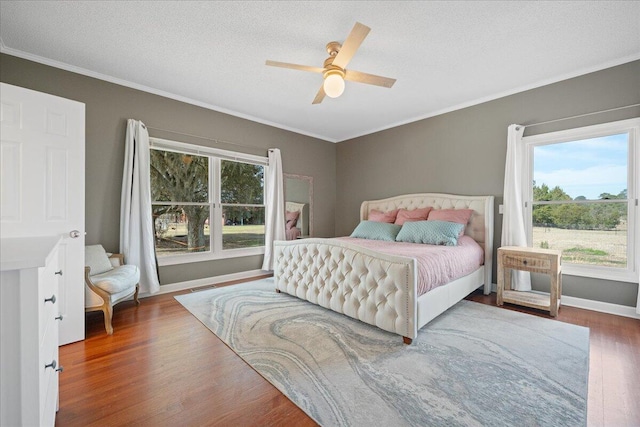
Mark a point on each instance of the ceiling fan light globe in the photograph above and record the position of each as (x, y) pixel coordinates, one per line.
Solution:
(333, 85)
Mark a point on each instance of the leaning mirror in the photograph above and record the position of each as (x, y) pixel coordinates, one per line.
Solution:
(298, 196)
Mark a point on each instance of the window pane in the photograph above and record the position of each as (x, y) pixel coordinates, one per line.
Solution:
(178, 177)
(242, 183)
(181, 229)
(594, 168)
(587, 233)
(244, 227)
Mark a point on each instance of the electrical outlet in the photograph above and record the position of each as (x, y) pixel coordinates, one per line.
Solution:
(500, 209)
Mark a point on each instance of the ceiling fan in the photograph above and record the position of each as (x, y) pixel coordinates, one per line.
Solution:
(334, 71)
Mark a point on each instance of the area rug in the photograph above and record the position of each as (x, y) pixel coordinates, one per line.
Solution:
(474, 365)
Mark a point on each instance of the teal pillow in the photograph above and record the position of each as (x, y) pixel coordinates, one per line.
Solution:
(374, 230)
(430, 232)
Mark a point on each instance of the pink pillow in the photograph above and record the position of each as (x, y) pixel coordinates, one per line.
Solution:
(379, 216)
(292, 218)
(405, 215)
(461, 216)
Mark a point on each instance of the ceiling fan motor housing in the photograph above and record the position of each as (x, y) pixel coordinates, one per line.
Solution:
(333, 48)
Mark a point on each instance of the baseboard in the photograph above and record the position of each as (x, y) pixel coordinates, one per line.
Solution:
(589, 304)
(603, 307)
(207, 281)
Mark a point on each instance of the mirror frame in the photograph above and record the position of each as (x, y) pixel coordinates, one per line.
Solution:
(309, 180)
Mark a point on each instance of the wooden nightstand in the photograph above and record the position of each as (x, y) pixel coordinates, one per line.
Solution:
(546, 261)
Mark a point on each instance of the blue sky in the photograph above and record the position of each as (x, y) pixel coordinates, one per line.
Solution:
(587, 167)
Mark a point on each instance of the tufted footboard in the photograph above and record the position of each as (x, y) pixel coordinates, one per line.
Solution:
(375, 288)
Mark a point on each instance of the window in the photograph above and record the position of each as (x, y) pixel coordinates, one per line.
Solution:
(206, 203)
(580, 194)
(242, 197)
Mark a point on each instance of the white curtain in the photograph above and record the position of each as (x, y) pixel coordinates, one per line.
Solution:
(136, 224)
(513, 229)
(274, 216)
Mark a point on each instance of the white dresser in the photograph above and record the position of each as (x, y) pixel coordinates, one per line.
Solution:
(29, 318)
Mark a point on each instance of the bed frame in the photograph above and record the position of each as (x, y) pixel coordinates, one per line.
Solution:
(376, 288)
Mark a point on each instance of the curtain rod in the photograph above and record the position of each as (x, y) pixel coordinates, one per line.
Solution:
(580, 115)
(217, 141)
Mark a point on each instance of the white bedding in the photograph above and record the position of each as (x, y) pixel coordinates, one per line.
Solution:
(437, 265)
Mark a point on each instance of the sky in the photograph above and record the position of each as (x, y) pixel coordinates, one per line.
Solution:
(586, 167)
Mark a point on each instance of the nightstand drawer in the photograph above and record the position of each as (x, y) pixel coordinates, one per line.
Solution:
(526, 262)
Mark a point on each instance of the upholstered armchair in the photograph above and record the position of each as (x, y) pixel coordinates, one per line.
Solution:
(108, 281)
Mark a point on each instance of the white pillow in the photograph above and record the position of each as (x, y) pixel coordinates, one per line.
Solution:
(96, 258)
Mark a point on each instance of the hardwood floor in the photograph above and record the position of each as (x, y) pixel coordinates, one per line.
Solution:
(162, 367)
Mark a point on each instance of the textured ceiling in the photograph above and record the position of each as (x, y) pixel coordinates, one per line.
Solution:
(444, 55)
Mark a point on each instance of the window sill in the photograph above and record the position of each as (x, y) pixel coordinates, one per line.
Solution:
(208, 256)
(600, 273)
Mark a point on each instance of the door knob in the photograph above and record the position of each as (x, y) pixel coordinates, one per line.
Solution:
(74, 234)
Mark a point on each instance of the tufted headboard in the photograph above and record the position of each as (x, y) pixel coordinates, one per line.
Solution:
(480, 226)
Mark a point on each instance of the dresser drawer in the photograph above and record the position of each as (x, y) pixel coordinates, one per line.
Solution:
(50, 405)
(48, 295)
(48, 375)
(49, 305)
(29, 332)
(520, 262)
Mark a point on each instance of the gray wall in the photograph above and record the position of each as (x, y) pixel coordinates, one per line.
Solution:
(108, 106)
(458, 152)
(464, 152)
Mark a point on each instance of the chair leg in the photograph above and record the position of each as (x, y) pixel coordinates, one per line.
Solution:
(135, 296)
(108, 315)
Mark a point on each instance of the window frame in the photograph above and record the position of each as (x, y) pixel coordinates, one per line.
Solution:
(632, 128)
(215, 156)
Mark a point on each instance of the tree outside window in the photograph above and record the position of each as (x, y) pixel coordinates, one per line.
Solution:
(242, 197)
(186, 201)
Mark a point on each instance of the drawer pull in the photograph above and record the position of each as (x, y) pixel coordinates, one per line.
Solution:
(59, 317)
(59, 272)
(524, 262)
(52, 300)
(51, 365)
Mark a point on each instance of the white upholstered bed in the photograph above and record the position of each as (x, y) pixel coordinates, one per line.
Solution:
(377, 288)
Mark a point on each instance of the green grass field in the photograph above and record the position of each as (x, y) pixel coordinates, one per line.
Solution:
(174, 240)
(242, 236)
(592, 247)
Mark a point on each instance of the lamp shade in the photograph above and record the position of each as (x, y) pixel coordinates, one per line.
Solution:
(333, 85)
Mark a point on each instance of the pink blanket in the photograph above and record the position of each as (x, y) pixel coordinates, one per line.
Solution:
(293, 233)
(437, 265)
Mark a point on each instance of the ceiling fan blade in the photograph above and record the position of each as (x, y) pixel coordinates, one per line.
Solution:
(319, 96)
(295, 66)
(351, 45)
(370, 79)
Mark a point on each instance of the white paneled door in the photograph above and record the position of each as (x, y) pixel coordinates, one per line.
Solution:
(42, 186)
